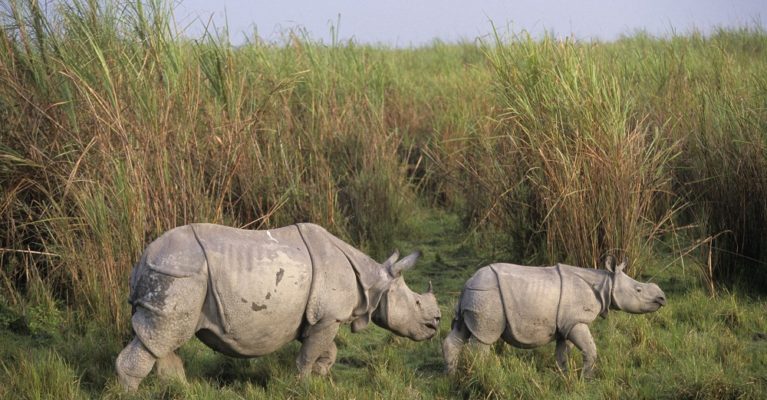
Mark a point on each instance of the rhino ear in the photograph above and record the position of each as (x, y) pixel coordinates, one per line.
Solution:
(391, 260)
(622, 265)
(610, 263)
(404, 264)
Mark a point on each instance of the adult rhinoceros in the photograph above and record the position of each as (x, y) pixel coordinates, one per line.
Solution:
(247, 293)
(531, 306)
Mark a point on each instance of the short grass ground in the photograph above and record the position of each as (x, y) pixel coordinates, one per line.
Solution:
(697, 347)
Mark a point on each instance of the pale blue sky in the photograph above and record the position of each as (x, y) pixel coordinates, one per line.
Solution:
(415, 22)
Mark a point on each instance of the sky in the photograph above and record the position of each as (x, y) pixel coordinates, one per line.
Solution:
(405, 23)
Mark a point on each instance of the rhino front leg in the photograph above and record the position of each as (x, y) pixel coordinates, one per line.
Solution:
(563, 351)
(326, 360)
(317, 343)
(581, 337)
(133, 365)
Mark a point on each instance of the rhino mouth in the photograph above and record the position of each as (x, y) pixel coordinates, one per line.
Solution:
(431, 325)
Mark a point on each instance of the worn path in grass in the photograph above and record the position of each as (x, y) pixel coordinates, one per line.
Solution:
(696, 347)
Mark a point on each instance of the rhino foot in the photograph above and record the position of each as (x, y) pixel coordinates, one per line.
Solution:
(318, 351)
(581, 337)
(452, 345)
(133, 364)
(326, 360)
(171, 367)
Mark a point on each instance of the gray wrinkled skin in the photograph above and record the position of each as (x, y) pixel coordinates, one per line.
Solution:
(247, 293)
(531, 306)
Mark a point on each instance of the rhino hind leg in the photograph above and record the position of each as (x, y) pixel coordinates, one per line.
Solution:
(133, 364)
(479, 321)
(165, 318)
(453, 343)
(483, 314)
(171, 367)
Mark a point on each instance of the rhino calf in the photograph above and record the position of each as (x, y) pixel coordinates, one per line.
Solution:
(247, 293)
(531, 306)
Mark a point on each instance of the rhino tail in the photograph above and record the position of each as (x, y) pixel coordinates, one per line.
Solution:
(135, 275)
(458, 318)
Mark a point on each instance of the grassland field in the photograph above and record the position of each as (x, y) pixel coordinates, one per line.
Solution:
(114, 128)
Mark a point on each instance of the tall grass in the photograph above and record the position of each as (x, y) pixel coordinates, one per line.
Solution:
(726, 171)
(570, 168)
(116, 129)
(632, 147)
(708, 93)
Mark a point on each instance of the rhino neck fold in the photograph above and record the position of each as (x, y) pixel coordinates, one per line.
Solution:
(600, 281)
(606, 292)
(377, 311)
(370, 295)
(372, 280)
(328, 252)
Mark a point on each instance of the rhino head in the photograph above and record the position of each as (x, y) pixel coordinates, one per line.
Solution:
(630, 295)
(402, 311)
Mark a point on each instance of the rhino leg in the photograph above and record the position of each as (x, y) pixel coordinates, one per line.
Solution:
(133, 364)
(482, 313)
(164, 318)
(563, 351)
(581, 337)
(479, 321)
(479, 346)
(326, 360)
(171, 367)
(453, 343)
(317, 343)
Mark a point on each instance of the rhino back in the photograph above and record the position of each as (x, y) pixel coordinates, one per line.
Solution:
(260, 283)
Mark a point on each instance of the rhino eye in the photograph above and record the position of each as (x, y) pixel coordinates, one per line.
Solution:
(639, 289)
(418, 302)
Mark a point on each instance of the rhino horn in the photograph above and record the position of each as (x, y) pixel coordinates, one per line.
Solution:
(391, 260)
(430, 289)
(404, 264)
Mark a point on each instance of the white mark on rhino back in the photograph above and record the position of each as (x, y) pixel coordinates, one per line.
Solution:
(271, 237)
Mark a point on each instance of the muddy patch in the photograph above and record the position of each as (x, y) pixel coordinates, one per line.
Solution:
(152, 288)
